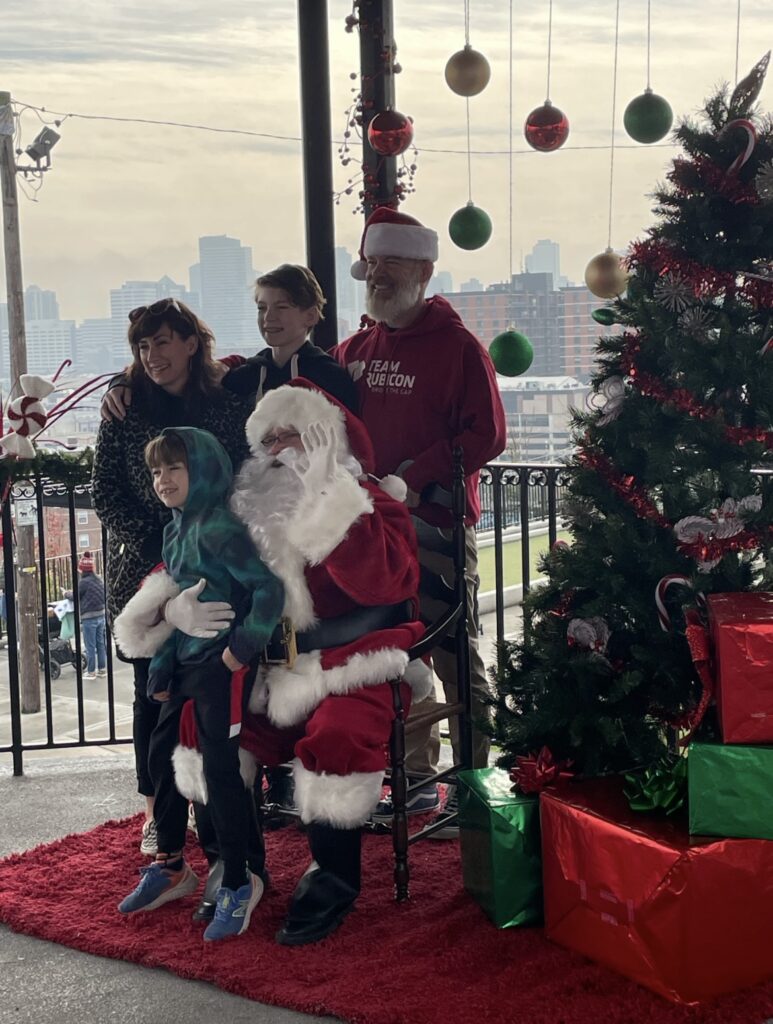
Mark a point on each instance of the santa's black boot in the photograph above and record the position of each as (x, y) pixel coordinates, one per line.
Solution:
(326, 893)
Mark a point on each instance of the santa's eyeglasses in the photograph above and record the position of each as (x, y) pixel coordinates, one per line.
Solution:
(155, 309)
(285, 437)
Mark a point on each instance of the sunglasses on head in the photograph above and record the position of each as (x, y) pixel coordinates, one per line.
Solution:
(155, 309)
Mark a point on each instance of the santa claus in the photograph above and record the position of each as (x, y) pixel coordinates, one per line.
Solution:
(344, 547)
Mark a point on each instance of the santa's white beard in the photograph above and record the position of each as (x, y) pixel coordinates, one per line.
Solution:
(264, 497)
(385, 309)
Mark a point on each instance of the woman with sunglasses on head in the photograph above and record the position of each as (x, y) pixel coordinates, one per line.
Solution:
(174, 383)
(290, 304)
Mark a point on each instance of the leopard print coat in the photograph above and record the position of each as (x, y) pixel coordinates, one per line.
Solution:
(122, 491)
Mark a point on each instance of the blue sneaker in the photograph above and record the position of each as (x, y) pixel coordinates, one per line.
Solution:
(422, 801)
(159, 885)
(234, 909)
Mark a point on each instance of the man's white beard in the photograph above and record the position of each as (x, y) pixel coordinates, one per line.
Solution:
(386, 309)
(264, 497)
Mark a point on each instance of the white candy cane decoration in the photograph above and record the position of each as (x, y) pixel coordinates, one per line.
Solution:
(660, 594)
(751, 142)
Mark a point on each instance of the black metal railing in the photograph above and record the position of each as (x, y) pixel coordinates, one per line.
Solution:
(515, 499)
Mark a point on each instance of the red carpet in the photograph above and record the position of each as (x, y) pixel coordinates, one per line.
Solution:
(446, 962)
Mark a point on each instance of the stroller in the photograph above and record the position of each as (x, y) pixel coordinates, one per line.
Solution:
(59, 650)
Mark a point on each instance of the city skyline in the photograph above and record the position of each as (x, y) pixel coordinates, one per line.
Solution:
(552, 312)
(126, 199)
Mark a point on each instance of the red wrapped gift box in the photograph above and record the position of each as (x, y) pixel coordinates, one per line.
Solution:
(742, 635)
(689, 918)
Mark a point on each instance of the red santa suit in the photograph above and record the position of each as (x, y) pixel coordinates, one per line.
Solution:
(346, 554)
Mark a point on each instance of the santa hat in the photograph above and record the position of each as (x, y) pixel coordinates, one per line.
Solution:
(86, 563)
(301, 403)
(390, 233)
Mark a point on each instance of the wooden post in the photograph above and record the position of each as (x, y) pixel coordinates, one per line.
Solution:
(26, 567)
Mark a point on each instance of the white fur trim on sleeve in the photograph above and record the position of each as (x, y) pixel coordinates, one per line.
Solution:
(321, 521)
(343, 801)
(293, 693)
(138, 630)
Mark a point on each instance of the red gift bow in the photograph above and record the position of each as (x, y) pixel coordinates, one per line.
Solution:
(533, 773)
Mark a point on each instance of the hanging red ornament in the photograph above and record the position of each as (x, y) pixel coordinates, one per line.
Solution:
(546, 128)
(390, 133)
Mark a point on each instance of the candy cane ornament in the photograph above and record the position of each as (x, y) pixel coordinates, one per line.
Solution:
(674, 579)
(751, 142)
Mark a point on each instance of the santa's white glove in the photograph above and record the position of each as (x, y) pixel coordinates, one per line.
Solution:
(318, 469)
(202, 619)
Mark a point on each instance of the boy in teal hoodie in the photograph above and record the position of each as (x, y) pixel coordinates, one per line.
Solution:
(192, 475)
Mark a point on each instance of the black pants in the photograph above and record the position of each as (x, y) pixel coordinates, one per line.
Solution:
(145, 719)
(209, 685)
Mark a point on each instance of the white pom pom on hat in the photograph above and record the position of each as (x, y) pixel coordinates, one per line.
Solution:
(388, 232)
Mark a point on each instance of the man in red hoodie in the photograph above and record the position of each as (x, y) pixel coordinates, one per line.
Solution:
(426, 385)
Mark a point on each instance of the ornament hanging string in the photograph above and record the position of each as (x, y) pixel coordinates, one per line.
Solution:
(649, 41)
(614, 114)
(550, 47)
(510, 141)
(467, 101)
(737, 38)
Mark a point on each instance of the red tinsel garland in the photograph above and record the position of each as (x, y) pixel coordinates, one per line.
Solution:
(637, 498)
(652, 387)
(699, 174)
(660, 258)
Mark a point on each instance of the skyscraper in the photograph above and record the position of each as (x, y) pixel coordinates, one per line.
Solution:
(129, 296)
(225, 277)
(545, 258)
(40, 304)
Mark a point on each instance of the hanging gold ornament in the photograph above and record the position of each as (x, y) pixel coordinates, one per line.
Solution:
(467, 72)
(605, 276)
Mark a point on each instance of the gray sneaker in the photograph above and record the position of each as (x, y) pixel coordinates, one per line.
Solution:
(422, 801)
(149, 844)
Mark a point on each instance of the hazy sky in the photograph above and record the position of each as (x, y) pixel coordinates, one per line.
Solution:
(128, 201)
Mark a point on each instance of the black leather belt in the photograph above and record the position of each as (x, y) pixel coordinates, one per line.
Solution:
(344, 629)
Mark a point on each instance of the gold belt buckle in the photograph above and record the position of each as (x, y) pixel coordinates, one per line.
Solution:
(288, 645)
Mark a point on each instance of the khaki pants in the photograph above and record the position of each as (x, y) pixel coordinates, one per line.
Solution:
(423, 746)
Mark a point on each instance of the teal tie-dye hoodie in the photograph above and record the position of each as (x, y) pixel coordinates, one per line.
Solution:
(205, 540)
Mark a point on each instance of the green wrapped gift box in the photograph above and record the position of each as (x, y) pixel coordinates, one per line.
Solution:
(730, 790)
(500, 841)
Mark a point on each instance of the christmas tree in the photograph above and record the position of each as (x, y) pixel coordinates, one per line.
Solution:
(666, 490)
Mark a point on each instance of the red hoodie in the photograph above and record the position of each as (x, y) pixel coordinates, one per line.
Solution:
(423, 390)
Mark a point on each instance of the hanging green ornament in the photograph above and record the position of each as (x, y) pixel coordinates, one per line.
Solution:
(470, 227)
(648, 118)
(605, 316)
(511, 353)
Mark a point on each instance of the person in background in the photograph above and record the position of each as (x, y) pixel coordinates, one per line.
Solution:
(174, 383)
(426, 385)
(91, 599)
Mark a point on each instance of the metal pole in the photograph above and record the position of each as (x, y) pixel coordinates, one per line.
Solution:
(25, 534)
(318, 159)
(377, 48)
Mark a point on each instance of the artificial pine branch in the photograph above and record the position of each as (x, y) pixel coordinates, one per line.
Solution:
(690, 357)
